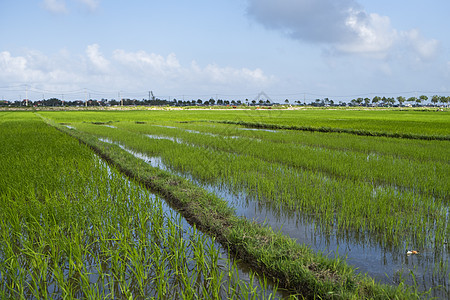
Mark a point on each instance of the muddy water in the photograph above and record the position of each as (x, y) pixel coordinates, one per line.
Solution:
(389, 266)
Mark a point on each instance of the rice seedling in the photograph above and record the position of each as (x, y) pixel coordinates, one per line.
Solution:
(382, 169)
(73, 227)
(408, 122)
(292, 186)
(243, 237)
(378, 193)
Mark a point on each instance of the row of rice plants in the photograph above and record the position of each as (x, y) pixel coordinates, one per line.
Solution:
(385, 238)
(72, 227)
(341, 202)
(413, 122)
(426, 177)
(422, 150)
(427, 124)
(401, 148)
(296, 266)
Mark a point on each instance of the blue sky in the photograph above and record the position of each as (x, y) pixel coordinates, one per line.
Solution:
(231, 49)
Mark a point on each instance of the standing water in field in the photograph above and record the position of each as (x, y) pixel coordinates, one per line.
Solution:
(72, 227)
(386, 265)
(113, 239)
(240, 272)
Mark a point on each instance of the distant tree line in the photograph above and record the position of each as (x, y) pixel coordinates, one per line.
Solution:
(79, 103)
(391, 101)
(375, 101)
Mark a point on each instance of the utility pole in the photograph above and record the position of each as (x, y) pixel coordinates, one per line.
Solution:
(85, 97)
(26, 94)
(121, 100)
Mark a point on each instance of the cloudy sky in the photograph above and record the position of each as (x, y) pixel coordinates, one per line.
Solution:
(231, 49)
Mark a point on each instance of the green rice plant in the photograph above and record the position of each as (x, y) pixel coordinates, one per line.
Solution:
(263, 180)
(294, 196)
(399, 121)
(421, 176)
(272, 187)
(72, 227)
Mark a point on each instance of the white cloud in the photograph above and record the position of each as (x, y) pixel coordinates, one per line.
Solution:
(60, 6)
(34, 68)
(228, 75)
(96, 58)
(343, 26)
(55, 6)
(131, 71)
(147, 62)
(91, 4)
(11, 65)
(374, 34)
(425, 49)
(169, 69)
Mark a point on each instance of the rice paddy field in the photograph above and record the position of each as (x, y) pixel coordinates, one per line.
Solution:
(72, 227)
(325, 204)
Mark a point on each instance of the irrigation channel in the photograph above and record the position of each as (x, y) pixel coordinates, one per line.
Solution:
(391, 265)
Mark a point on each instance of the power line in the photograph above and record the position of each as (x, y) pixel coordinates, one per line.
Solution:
(73, 94)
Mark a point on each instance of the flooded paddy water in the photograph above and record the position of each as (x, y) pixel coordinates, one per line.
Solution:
(239, 271)
(391, 265)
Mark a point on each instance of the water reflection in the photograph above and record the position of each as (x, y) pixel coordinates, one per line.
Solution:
(362, 249)
(259, 129)
(243, 270)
